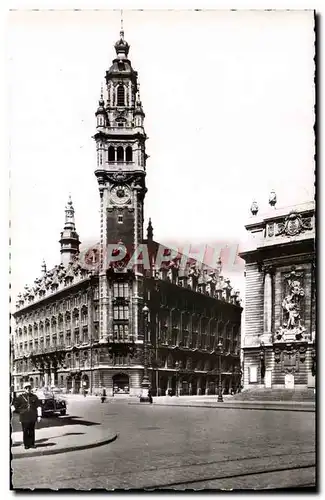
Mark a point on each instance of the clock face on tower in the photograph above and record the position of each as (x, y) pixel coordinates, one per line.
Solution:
(120, 195)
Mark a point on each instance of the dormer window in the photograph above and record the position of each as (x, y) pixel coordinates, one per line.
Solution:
(120, 95)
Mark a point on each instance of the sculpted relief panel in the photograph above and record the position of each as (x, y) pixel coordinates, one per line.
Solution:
(292, 319)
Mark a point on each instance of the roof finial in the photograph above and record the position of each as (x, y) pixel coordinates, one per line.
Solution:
(272, 199)
(138, 93)
(254, 208)
(43, 268)
(150, 230)
(122, 30)
(101, 91)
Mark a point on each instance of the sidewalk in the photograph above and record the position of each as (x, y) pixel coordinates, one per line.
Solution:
(230, 403)
(53, 440)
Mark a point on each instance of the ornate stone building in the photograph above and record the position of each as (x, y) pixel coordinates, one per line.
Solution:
(81, 323)
(280, 305)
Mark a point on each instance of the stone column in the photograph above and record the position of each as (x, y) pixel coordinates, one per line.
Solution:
(103, 292)
(110, 309)
(52, 377)
(267, 301)
(64, 328)
(180, 331)
(198, 387)
(169, 384)
(81, 333)
(170, 326)
(72, 327)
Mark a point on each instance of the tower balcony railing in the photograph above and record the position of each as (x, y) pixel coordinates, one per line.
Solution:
(119, 162)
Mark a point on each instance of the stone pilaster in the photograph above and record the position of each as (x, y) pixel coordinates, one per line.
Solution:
(268, 301)
(135, 298)
(103, 288)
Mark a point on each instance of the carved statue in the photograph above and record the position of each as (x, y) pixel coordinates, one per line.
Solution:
(291, 304)
(291, 328)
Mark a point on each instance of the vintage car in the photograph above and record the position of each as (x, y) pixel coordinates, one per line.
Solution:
(51, 402)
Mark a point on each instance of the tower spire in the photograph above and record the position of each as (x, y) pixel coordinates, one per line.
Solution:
(69, 237)
(149, 230)
(43, 268)
(122, 30)
(121, 46)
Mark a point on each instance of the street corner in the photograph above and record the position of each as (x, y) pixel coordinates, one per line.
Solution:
(54, 440)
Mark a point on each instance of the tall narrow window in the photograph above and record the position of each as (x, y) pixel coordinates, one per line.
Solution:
(120, 153)
(120, 95)
(111, 153)
(128, 153)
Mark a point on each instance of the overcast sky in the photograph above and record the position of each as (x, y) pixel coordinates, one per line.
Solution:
(228, 98)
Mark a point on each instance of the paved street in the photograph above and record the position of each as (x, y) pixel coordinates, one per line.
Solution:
(195, 448)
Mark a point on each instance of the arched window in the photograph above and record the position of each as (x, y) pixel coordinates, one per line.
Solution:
(128, 153)
(120, 95)
(111, 153)
(120, 153)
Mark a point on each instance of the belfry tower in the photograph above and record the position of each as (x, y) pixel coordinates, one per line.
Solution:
(69, 237)
(121, 159)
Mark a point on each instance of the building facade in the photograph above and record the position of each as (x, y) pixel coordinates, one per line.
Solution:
(81, 326)
(280, 305)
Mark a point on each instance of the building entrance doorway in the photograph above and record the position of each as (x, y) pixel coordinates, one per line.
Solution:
(77, 383)
(69, 383)
(85, 382)
(121, 383)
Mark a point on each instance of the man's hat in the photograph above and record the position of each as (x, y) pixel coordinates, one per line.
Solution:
(27, 384)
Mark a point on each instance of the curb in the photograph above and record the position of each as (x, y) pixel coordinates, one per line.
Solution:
(36, 453)
(228, 406)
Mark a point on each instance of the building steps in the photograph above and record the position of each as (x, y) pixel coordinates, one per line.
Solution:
(276, 395)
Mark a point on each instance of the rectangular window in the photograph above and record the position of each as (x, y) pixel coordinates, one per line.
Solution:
(121, 332)
(121, 312)
(121, 290)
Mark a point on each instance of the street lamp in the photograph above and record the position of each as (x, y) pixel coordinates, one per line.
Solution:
(220, 350)
(262, 360)
(145, 384)
(177, 373)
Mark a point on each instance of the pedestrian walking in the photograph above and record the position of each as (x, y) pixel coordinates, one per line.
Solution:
(150, 396)
(103, 396)
(30, 410)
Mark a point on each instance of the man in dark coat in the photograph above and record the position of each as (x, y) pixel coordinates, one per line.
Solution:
(29, 408)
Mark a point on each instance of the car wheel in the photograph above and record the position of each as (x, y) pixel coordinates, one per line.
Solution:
(63, 412)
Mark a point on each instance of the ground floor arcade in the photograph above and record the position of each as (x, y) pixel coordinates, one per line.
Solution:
(127, 381)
